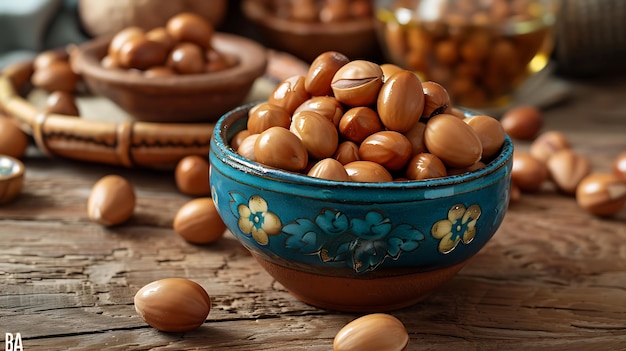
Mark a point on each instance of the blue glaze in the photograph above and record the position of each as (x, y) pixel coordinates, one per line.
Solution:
(355, 229)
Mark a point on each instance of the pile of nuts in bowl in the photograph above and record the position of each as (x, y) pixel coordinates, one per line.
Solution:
(182, 46)
(322, 10)
(363, 122)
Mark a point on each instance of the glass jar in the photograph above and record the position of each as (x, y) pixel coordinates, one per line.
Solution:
(479, 50)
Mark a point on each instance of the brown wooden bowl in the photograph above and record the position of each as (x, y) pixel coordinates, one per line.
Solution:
(355, 38)
(182, 98)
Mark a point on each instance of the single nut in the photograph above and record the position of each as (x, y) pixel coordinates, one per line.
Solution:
(289, 94)
(528, 173)
(357, 83)
(358, 123)
(453, 141)
(192, 28)
(161, 36)
(13, 141)
(45, 58)
(400, 103)
(235, 142)
(347, 151)
(141, 53)
(436, 99)
(192, 176)
(523, 122)
(367, 171)
(619, 166)
(319, 135)
(198, 221)
(389, 69)
(280, 148)
(173, 304)
(388, 148)
(62, 103)
(58, 76)
(425, 166)
(567, 169)
(186, 58)
(547, 144)
(490, 133)
(111, 201)
(321, 72)
(375, 332)
(330, 169)
(601, 194)
(326, 106)
(119, 39)
(246, 148)
(266, 115)
(416, 138)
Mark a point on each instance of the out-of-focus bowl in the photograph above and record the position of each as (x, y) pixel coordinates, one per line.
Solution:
(11, 178)
(356, 246)
(481, 51)
(181, 98)
(354, 38)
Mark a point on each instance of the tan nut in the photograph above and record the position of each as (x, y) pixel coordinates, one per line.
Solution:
(453, 141)
(173, 304)
(548, 144)
(567, 169)
(111, 201)
(528, 173)
(372, 332)
(198, 221)
(601, 194)
(400, 101)
(330, 169)
(357, 83)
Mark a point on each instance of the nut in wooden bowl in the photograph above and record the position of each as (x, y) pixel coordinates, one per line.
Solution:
(11, 178)
(201, 97)
(308, 32)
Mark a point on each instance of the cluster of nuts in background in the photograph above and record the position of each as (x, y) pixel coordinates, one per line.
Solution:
(322, 10)
(552, 158)
(479, 50)
(182, 46)
(363, 122)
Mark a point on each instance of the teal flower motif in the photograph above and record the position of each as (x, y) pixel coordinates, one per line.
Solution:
(362, 244)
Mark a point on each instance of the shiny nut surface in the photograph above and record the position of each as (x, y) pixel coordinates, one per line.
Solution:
(266, 115)
(111, 201)
(198, 221)
(425, 166)
(388, 148)
(192, 176)
(601, 194)
(548, 144)
(326, 106)
(141, 53)
(173, 304)
(490, 133)
(186, 58)
(321, 72)
(436, 99)
(400, 102)
(367, 172)
(357, 83)
(319, 135)
(58, 76)
(528, 173)
(347, 152)
(246, 147)
(330, 169)
(567, 168)
(358, 123)
(189, 27)
(453, 141)
(375, 332)
(289, 94)
(278, 147)
(523, 122)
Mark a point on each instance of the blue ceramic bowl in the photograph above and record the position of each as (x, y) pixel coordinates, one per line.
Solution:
(356, 246)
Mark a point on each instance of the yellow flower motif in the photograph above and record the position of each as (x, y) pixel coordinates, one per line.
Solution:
(256, 220)
(460, 225)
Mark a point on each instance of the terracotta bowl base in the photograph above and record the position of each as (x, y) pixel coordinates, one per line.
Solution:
(359, 295)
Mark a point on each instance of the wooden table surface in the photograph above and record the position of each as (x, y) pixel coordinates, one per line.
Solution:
(552, 278)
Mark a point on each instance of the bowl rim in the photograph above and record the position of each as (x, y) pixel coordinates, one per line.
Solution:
(256, 11)
(251, 57)
(232, 158)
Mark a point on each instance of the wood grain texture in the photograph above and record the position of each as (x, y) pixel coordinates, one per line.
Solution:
(552, 278)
